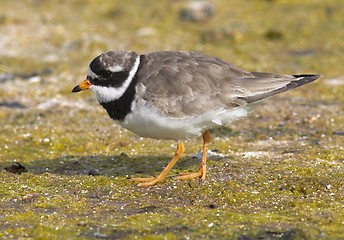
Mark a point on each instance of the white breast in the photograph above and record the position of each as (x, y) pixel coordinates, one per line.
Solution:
(146, 121)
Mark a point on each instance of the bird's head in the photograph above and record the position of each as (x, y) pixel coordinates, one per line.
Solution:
(110, 74)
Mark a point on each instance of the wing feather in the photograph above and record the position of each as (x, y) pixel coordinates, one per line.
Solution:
(185, 84)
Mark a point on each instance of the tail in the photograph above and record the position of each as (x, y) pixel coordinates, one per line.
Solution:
(303, 79)
(265, 85)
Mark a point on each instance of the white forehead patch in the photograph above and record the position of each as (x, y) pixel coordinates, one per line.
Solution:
(91, 74)
(107, 94)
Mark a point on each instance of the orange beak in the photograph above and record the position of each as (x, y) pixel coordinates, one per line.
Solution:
(82, 86)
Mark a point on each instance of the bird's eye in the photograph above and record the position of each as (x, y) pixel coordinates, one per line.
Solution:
(105, 74)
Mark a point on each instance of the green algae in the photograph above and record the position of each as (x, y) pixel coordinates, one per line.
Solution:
(282, 175)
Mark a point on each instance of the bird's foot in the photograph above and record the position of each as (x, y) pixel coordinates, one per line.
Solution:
(201, 173)
(146, 182)
(202, 170)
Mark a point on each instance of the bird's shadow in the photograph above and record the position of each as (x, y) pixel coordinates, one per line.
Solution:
(112, 166)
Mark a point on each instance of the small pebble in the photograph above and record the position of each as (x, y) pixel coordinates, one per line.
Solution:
(6, 77)
(340, 133)
(16, 168)
(197, 11)
(93, 172)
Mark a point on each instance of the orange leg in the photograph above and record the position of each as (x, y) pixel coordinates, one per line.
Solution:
(201, 173)
(146, 182)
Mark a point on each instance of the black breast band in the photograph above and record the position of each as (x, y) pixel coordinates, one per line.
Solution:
(118, 109)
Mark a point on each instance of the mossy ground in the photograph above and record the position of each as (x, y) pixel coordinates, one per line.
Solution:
(282, 177)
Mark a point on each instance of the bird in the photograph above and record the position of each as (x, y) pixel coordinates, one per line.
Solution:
(176, 95)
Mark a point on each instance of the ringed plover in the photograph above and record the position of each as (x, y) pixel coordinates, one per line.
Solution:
(176, 95)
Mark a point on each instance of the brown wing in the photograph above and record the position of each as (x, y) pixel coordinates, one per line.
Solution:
(182, 84)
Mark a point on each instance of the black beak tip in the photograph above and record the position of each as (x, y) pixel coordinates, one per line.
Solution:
(76, 89)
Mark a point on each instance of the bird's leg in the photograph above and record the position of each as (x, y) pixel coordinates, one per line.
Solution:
(146, 182)
(201, 173)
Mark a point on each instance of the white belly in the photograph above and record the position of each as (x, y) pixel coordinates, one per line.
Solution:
(147, 122)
